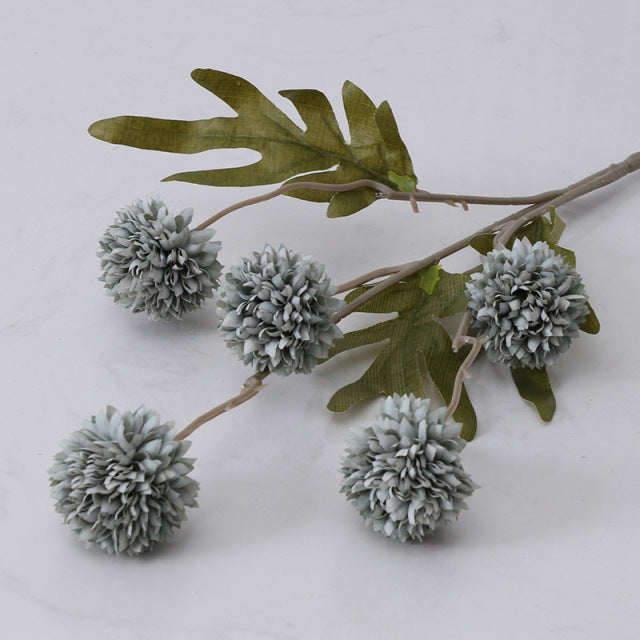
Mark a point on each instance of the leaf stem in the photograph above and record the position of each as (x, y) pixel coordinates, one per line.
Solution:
(506, 226)
(371, 275)
(251, 387)
(383, 191)
(463, 371)
(459, 339)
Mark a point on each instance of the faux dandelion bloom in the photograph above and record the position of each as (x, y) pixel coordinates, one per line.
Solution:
(276, 311)
(122, 482)
(403, 474)
(151, 261)
(529, 303)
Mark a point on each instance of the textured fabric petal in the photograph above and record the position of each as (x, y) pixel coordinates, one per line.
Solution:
(122, 483)
(276, 309)
(529, 302)
(403, 474)
(152, 262)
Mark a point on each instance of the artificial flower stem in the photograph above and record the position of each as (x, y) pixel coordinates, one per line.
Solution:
(463, 371)
(511, 223)
(459, 339)
(383, 191)
(251, 387)
(367, 277)
(379, 273)
(413, 267)
(507, 225)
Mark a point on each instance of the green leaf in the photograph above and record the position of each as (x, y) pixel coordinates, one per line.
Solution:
(429, 278)
(375, 150)
(538, 229)
(591, 324)
(349, 202)
(545, 229)
(534, 385)
(413, 338)
(568, 255)
(483, 243)
(448, 297)
(400, 297)
(398, 159)
(404, 183)
(557, 226)
(548, 230)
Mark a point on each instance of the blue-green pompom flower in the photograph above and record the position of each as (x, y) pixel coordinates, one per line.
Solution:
(529, 303)
(122, 481)
(276, 309)
(403, 473)
(153, 262)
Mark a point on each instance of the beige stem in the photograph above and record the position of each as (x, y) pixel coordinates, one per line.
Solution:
(383, 191)
(251, 387)
(512, 222)
(463, 371)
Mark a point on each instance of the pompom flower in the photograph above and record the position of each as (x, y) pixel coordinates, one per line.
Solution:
(151, 261)
(276, 311)
(529, 303)
(403, 474)
(122, 482)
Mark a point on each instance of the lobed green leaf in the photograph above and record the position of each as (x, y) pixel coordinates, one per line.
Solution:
(414, 339)
(375, 150)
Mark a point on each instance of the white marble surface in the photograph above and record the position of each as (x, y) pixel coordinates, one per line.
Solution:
(495, 97)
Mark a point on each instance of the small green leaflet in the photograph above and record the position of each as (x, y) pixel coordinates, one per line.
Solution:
(429, 278)
(548, 230)
(403, 183)
(413, 337)
(534, 385)
(375, 150)
(591, 324)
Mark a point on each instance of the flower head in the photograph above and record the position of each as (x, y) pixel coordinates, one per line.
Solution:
(403, 474)
(122, 483)
(529, 302)
(276, 311)
(151, 261)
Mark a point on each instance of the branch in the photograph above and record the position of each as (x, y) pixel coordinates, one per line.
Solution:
(463, 371)
(251, 387)
(371, 275)
(504, 227)
(508, 224)
(383, 191)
